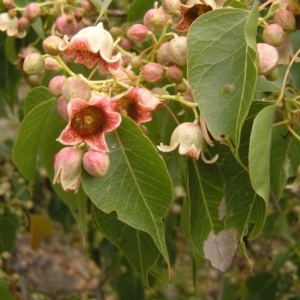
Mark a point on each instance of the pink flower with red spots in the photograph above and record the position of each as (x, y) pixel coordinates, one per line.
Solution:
(137, 103)
(88, 122)
(93, 45)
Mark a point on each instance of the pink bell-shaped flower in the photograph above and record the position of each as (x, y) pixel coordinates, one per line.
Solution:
(67, 168)
(88, 121)
(190, 139)
(90, 45)
(136, 103)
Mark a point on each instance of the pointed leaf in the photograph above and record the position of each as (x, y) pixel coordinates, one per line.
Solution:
(223, 100)
(9, 223)
(259, 152)
(200, 209)
(28, 139)
(220, 248)
(38, 28)
(137, 185)
(137, 246)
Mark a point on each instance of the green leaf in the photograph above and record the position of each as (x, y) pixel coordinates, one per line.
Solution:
(138, 9)
(137, 185)
(137, 246)
(10, 50)
(200, 209)
(28, 139)
(35, 97)
(48, 147)
(8, 231)
(243, 205)
(9, 77)
(227, 42)
(294, 154)
(280, 144)
(38, 28)
(4, 291)
(259, 151)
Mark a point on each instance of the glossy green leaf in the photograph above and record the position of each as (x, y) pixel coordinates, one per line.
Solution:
(205, 188)
(48, 147)
(280, 145)
(4, 291)
(294, 154)
(8, 231)
(37, 96)
(137, 185)
(219, 41)
(10, 50)
(259, 151)
(38, 28)
(137, 246)
(28, 139)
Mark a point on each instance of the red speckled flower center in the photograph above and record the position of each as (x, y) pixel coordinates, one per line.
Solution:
(88, 121)
(126, 107)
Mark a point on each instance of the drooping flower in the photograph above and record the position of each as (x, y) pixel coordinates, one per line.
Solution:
(9, 23)
(67, 168)
(90, 45)
(136, 103)
(190, 139)
(88, 121)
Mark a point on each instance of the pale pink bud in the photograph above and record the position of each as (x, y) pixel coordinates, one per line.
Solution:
(88, 5)
(32, 11)
(9, 4)
(64, 25)
(23, 24)
(126, 44)
(51, 65)
(76, 88)
(285, 19)
(62, 108)
(96, 163)
(273, 34)
(163, 54)
(171, 7)
(34, 63)
(174, 74)
(56, 85)
(178, 50)
(67, 168)
(153, 72)
(155, 20)
(50, 45)
(267, 58)
(137, 33)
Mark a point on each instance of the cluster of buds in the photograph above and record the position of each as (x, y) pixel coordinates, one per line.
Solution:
(15, 25)
(128, 85)
(276, 48)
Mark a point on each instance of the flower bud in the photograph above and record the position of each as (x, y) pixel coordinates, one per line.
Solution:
(32, 11)
(174, 74)
(62, 108)
(9, 4)
(285, 52)
(153, 72)
(23, 24)
(136, 62)
(170, 7)
(34, 63)
(115, 32)
(64, 25)
(67, 168)
(273, 76)
(273, 34)
(88, 5)
(56, 85)
(51, 65)
(285, 19)
(181, 87)
(155, 20)
(50, 45)
(163, 55)
(137, 33)
(96, 163)
(76, 88)
(178, 50)
(267, 58)
(126, 44)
